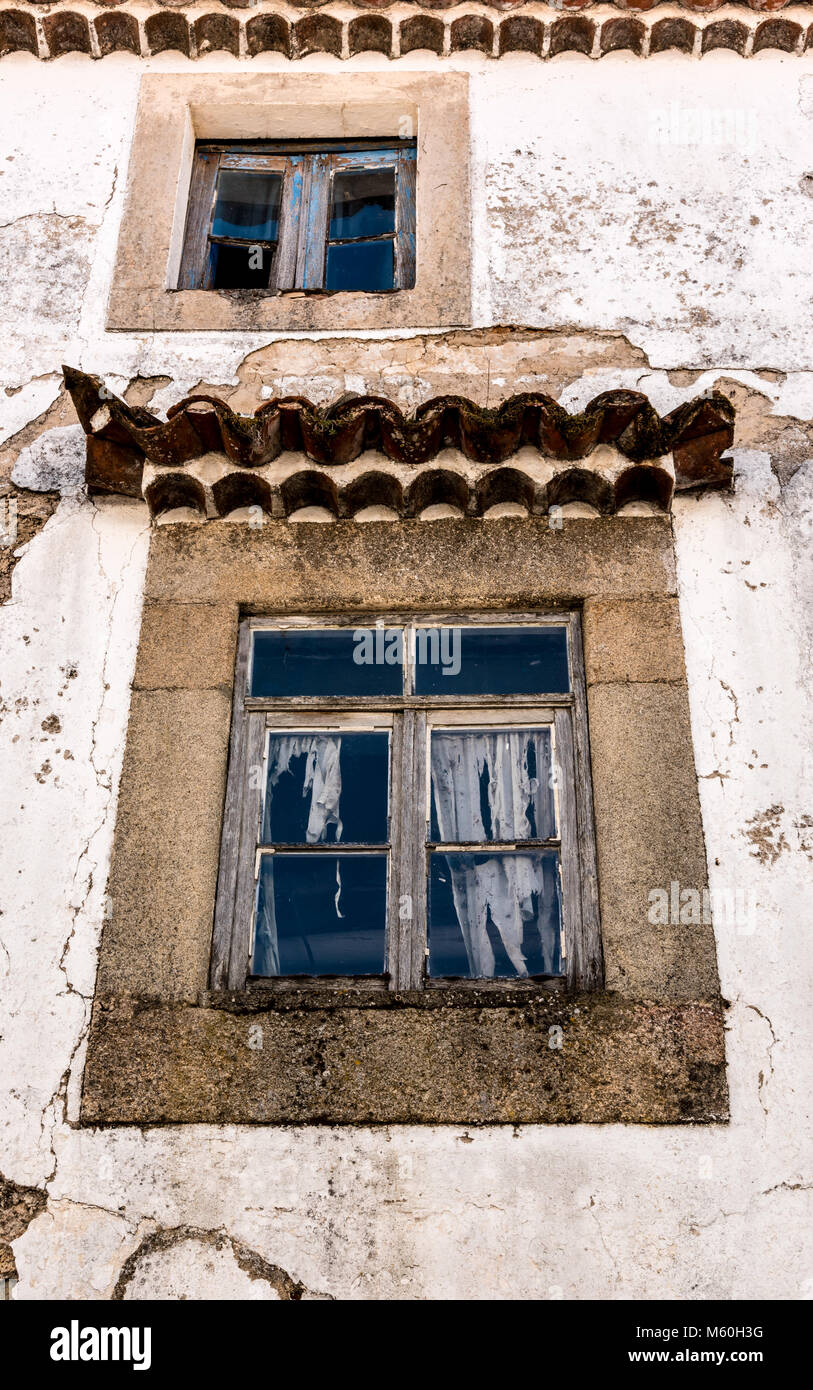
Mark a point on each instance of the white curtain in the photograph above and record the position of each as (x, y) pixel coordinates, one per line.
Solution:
(512, 889)
(323, 779)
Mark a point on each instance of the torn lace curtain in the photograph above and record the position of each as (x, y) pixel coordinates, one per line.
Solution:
(322, 777)
(487, 786)
(497, 786)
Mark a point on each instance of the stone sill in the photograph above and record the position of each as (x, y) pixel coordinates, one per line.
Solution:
(458, 1057)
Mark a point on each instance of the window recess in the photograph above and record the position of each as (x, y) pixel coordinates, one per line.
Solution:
(408, 806)
(322, 217)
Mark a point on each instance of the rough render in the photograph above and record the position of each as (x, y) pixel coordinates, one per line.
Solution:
(674, 304)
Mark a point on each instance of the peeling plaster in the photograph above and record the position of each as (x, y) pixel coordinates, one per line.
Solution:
(408, 1212)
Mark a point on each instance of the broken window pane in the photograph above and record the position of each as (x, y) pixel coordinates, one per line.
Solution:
(360, 265)
(320, 914)
(323, 788)
(491, 784)
(491, 661)
(247, 206)
(494, 915)
(363, 204)
(241, 267)
(340, 661)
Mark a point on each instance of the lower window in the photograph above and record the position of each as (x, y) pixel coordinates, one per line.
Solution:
(408, 805)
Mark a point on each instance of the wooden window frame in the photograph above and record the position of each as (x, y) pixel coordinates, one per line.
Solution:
(307, 168)
(410, 718)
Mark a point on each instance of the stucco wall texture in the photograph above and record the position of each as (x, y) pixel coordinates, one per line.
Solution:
(654, 250)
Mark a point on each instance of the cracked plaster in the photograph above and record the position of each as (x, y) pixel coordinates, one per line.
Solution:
(656, 1213)
(406, 1212)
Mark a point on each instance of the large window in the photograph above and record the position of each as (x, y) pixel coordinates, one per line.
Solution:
(408, 805)
(303, 215)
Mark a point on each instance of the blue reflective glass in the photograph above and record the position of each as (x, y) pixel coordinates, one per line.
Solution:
(494, 916)
(360, 265)
(327, 788)
(247, 205)
(321, 914)
(338, 661)
(491, 785)
(491, 661)
(363, 204)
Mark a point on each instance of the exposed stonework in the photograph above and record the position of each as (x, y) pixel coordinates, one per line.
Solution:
(22, 516)
(164, 1261)
(18, 1207)
(29, 497)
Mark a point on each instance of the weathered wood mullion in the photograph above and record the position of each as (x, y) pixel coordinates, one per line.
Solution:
(593, 968)
(246, 886)
(315, 221)
(434, 703)
(283, 266)
(572, 922)
(195, 271)
(224, 923)
(396, 885)
(419, 858)
(329, 847)
(405, 213)
(360, 240)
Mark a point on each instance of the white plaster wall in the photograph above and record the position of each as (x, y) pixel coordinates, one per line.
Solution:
(660, 199)
(410, 1212)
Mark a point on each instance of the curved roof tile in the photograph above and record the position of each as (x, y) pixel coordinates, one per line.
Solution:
(683, 449)
(100, 27)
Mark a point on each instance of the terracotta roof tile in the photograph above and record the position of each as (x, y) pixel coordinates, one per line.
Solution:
(698, 6)
(132, 452)
(299, 27)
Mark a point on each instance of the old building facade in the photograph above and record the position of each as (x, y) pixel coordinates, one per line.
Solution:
(544, 377)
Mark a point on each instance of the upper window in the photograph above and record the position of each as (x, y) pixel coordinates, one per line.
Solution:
(324, 217)
(406, 805)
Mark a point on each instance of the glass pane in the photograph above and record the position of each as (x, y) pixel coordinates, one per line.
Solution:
(491, 661)
(494, 916)
(241, 267)
(323, 788)
(340, 661)
(360, 265)
(491, 784)
(363, 204)
(321, 914)
(247, 205)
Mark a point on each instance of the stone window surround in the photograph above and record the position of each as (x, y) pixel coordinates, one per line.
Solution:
(164, 1048)
(175, 111)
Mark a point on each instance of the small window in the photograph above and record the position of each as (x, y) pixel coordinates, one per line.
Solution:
(408, 806)
(328, 217)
